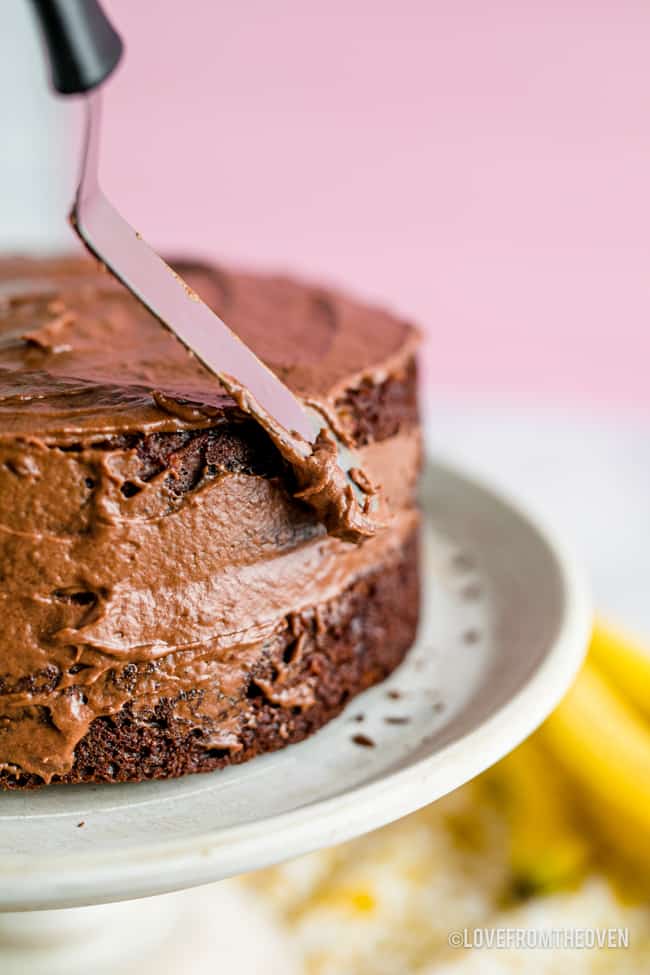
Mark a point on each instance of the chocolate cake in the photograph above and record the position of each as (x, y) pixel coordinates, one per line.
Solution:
(171, 601)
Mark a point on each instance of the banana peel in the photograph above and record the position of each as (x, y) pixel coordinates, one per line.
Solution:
(587, 766)
(624, 662)
(547, 850)
(603, 745)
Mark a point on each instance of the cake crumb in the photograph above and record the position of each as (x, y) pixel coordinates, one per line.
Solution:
(363, 741)
(471, 592)
(462, 562)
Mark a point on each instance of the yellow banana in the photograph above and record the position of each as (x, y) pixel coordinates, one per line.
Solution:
(624, 662)
(546, 851)
(604, 746)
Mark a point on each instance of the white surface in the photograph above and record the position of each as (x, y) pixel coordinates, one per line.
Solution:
(588, 474)
(531, 621)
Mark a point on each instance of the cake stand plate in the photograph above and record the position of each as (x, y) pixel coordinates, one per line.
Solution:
(505, 624)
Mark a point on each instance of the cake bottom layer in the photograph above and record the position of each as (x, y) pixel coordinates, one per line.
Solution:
(337, 649)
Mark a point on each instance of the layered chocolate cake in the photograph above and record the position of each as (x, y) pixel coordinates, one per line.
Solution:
(171, 600)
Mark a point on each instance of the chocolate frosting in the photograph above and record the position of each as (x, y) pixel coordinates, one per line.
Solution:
(88, 356)
(109, 597)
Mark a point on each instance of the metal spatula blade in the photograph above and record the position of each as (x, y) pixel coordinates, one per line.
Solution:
(110, 238)
(83, 50)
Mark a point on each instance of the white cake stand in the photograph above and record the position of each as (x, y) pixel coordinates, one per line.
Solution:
(506, 622)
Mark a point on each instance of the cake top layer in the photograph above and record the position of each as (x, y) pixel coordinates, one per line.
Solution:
(79, 357)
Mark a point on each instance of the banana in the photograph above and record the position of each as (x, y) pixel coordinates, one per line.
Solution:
(546, 850)
(604, 746)
(624, 662)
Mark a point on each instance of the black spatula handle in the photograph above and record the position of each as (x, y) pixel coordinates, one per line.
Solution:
(82, 44)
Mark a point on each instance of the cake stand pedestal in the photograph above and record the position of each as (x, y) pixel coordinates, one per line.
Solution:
(83, 939)
(186, 933)
(505, 625)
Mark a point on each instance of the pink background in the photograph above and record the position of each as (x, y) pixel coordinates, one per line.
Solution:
(483, 167)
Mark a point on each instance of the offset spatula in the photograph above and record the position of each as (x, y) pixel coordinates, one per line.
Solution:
(83, 50)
